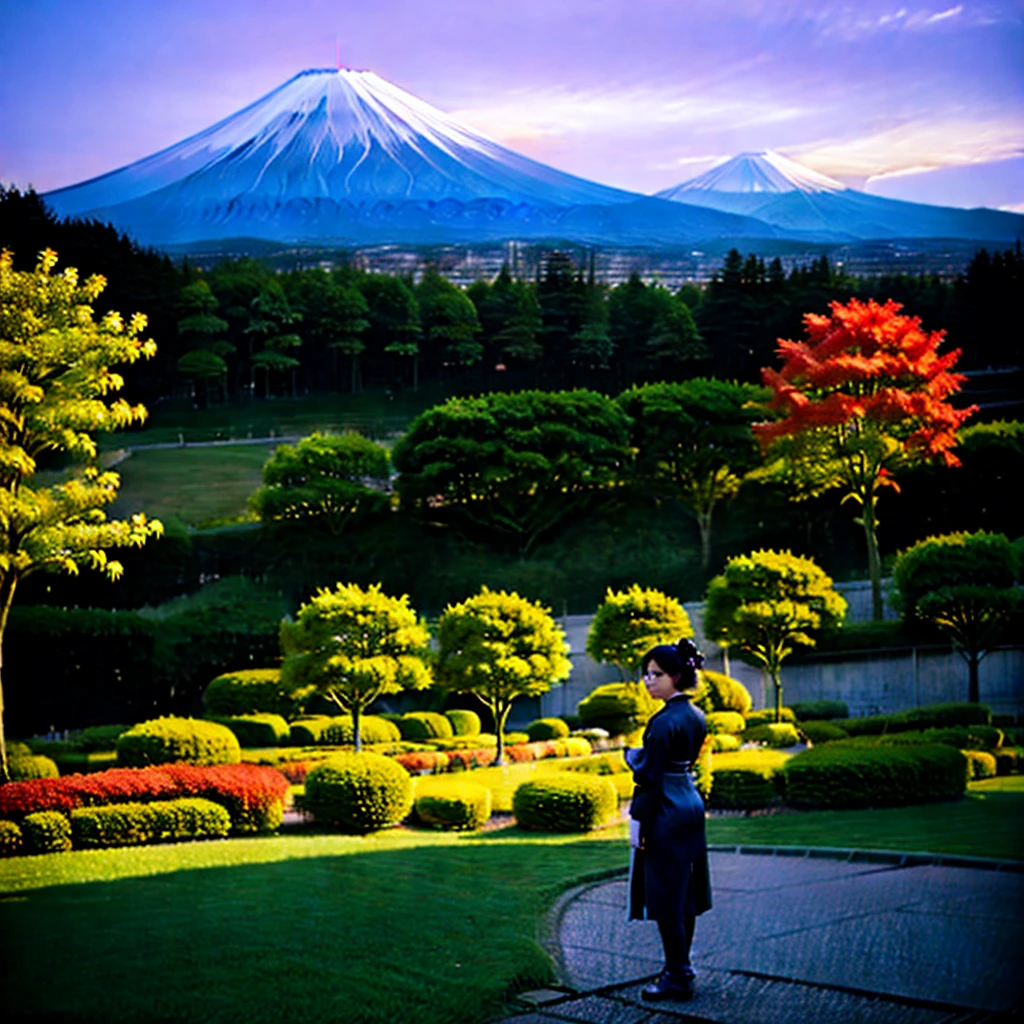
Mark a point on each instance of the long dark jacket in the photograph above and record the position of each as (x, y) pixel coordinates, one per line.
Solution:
(669, 876)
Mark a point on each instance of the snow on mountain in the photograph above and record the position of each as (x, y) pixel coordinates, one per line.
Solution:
(767, 172)
(801, 203)
(339, 155)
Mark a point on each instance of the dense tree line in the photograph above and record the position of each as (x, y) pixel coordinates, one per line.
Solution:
(240, 329)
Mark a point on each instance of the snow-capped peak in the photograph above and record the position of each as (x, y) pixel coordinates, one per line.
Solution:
(767, 171)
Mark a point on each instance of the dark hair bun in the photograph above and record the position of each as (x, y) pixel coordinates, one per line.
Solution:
(691, 656)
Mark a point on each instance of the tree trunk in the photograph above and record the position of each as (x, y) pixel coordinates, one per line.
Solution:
(500, 718)
(777, 684)
(356, 734)
(973, 688)
(704, 525)
(874, 560)
(6, 599)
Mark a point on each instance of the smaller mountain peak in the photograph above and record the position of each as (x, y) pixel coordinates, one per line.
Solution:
(764, 171)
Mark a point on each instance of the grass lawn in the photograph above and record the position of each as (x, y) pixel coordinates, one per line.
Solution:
(196, 485)
(406, 925)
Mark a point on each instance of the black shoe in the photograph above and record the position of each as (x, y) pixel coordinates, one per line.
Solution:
(665, 986)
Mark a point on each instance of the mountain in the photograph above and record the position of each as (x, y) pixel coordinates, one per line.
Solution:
(802, 203)
(345, 156)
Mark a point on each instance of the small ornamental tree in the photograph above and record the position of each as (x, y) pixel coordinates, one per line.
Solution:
(56, 377)
(767, 602)
(629, 623)
(963, 583)
(325, 480)
(867, 393)
(355, 645)
(500, 646)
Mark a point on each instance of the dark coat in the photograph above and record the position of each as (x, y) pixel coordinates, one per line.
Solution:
(669, 876)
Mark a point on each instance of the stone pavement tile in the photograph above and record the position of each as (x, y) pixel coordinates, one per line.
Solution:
(600, 1010)
(724, 998)
(587, 969)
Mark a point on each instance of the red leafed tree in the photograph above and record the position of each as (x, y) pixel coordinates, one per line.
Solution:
(865, 395)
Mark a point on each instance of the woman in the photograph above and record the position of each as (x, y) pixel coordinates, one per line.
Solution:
(668, 880)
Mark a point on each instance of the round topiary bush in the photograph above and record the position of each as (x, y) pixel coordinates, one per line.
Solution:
(418, 726)
(766, 716)
(848, 773)
(569, 802)
(10, 838)
(747, 780)
(165, 740)
(547, 729)
(358, 792)
(617, 707)
(32, 766)
(719, 692)
(46, 832)
(253, 691)
(463, 723)
(341, 730)
(258, 730)
(731, 722)
(464, 807)
(723, 742)
(773, 734)
(823, 732)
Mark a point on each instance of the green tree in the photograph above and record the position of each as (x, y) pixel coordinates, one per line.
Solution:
(694, 442)
(963, 583)
(200, 327)
(767, 602)
(674, 339)
(394, 316)
(867, 394)
(500, 646)
(628, 623)
(355, 645)
(512, 467)
(56, 377)
(324, 479)
(450, 322)
(270, 319)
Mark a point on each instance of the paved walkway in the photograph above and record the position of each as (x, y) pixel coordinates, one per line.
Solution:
(801, 937)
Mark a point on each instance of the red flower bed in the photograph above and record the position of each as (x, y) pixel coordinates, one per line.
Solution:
(252, 794)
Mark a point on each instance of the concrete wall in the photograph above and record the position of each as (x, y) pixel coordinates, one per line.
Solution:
(870, 683)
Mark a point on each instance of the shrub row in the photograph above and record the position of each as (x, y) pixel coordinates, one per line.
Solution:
(167, 740)
(747, 780)
(163, 821)
(932, 716)
(252, 794)
(847, 774)
(463, 808)
(261, 729)
(339, 730)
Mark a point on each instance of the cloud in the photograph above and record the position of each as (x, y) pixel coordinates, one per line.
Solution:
(915, 147)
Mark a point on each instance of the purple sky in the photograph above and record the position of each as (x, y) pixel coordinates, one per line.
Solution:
(915, 100)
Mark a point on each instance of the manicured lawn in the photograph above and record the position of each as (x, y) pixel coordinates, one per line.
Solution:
(406, 925)
(988, 822)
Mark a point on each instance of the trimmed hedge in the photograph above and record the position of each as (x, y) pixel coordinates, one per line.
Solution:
(719, 692)
(98, 737)
(463, 723)
(568, 802)
(163, 821)
(1008, 760)
(252, 794)
(463, 808)
(425, 725)
(731, 722)
(611, 766)
(261, 729)
(10, 838)
(547, 729)
(747, 780)
(823, 732)
(340, 731)
(848, 774)
(931, 716)
(971, 737)
(724, 742)
(46, 832)
(773, 734)
(358, 792)
(168, 740)
(820, 710)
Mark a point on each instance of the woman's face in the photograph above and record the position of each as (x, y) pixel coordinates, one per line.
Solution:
(660, 685)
